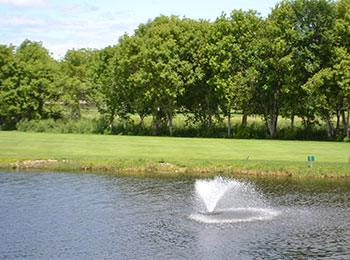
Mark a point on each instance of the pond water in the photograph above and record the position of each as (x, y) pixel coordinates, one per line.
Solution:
(87, 216)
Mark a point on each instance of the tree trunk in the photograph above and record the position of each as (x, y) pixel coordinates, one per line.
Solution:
(266, 121)
(304, 121)
(343, 117)
(338, 123)
(308, 121)
(154, 122)
(111, 120)
(170, 123)
(142, 123)
(75, 112)
(348, 122)
(330, 130)
(210, 117)
(272, 121)
(272, 124)
(292, 121)
(244, 119)
(346, 119)
(159, 120)
(229, 125)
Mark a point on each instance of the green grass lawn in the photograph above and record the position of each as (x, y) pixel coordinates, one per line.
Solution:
(264, 155)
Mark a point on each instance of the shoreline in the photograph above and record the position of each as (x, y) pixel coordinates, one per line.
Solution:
(168, 169)
(134, 155)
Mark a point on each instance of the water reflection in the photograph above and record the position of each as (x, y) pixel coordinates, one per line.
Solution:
(87, 216)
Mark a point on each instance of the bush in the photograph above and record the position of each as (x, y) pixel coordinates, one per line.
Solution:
(47, 125)
(243, 132)
(129, 127)
(286, 134)
(251, 131)
(312, 133)
(83, 126)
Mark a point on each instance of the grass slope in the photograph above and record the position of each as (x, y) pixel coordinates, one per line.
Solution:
(177, 154)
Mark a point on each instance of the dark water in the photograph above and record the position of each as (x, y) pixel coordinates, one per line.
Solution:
(87, 216)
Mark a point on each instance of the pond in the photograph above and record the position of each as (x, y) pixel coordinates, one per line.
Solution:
(92, 216)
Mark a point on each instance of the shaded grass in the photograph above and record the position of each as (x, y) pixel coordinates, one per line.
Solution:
(93, 123)
(176, 155)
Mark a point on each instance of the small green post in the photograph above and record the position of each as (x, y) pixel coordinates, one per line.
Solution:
(311, 159)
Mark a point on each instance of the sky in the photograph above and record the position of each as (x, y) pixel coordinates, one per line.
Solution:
(73, 24)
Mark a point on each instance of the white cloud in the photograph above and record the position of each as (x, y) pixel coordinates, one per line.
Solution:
(72, 33)
(26, 3)
(125, 14)
(64, 25)
(20, 20)
(82, 8)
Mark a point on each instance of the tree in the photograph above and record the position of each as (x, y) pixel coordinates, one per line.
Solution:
(342, 60)
(77, 69)
(341, 70)
(324, 90)
(200, 99)
(163, 72)
(269, 76)
(280, 78)
(7, 71)
(29, 84)
(230, 56)
(128, 67)
(108, 91)
(314, 23)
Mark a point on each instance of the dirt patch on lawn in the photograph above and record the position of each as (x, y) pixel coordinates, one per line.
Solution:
(32, 163)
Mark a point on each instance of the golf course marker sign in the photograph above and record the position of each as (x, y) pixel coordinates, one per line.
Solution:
(311, 159)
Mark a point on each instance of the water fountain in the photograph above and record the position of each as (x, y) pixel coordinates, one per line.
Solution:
(211, 191)
(223, 200)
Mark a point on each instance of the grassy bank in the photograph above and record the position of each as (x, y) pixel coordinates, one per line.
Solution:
(135, 154)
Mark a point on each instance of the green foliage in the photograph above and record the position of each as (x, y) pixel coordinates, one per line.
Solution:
(294, 63)
(100, 125)
(77, 69)
(28, 84)
(108, 94)
(231, 42)
(83, 126)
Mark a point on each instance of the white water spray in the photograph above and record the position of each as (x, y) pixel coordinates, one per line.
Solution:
(229, 201)
(211, 191)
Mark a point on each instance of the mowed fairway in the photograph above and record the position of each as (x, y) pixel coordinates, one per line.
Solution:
(19, 146)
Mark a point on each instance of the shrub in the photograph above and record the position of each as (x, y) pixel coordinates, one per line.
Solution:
(286, 134)
(255, 130)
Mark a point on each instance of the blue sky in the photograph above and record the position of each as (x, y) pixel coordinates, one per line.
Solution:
(68, 24)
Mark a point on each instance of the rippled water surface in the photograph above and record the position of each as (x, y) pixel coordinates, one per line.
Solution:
(87, 216)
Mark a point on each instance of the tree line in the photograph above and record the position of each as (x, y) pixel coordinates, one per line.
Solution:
(293, 63)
